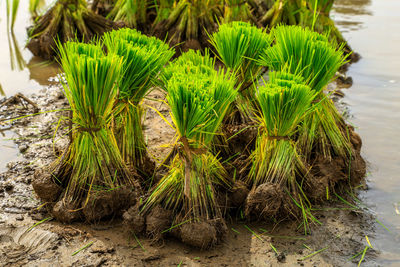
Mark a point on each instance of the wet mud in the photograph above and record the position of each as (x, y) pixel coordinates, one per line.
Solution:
(28, 234)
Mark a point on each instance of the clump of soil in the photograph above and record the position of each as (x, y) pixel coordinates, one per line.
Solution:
(264, 202)
(238, 194)
(134, 220)
(44, 186)
(202, 234)
(105, 204)
(157, 222)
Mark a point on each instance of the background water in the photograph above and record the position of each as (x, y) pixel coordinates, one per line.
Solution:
(372, 27)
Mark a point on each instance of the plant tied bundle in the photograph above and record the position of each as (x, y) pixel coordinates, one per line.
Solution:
(198, 103)
(65, 20)
(133, 13)
(96, 181)
(238, 10)
(284, 102)
(143, 57)
(190, 62)
(311, 55)
(277, 166)
(238, 45)
(313, 14)
(189, 21)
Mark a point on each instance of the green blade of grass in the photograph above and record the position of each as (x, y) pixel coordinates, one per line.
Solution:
(82, 248)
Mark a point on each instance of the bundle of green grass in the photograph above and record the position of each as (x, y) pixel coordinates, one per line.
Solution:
(90, 181)
(65, 20)
(238, 45)
(314, 156)
(143, 58)
(311, 13)
(187, 201)
(189, 21)
(133, 13)
(277, 165)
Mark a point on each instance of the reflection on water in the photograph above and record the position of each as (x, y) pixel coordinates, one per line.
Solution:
(15, 74)
(348, 14)
(372, 29)
(17, 61)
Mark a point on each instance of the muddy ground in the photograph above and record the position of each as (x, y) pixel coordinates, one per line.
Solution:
(28, 236)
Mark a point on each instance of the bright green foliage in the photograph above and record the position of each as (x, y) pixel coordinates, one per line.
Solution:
(198, 103)
(312, 56)
(93, 156)
(283, 102)
(239, 45)
(131, 12)
(189, 62)
(143, 58)
(304, 52)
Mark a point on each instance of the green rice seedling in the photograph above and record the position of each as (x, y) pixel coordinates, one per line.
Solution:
(198, 105)
(313, 14)
(65, 20)
(12, 11)
(132, 12)
(93, 161)
(237, 10)
(143, 58)
(189, 20)
(312, 56)
(189, 62)
(284, 102)
(35, 7)
(278, 170)
(239, 45)
(163, 9)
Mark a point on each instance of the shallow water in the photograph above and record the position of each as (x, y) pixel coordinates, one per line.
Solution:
(20, 71)
(372, 29)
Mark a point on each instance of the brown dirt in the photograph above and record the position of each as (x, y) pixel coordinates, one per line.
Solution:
(157, 221)
(133, 220)
(112, 244)
(203, 234)
(239, 194)
(105, 204)
(264, 202)
(44, 186)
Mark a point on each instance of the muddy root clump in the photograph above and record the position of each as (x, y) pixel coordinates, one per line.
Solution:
(265, 202)
(105, 204)
(203, 234)
(45, 187)
(157, 221)
(134, 220)
(239, 194)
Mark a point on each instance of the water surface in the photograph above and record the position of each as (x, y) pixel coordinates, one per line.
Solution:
(372, 27)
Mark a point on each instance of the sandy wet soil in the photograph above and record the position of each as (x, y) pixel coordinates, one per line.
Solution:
(28, 236)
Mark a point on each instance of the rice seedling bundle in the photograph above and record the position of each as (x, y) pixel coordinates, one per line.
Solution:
(143, 58)
(65, 20)
(190, 62)
(93, 164)
(238, 45)
(132, 12)
(312, 56)
(237, 10)
(311, 13)
(198, 103)
(189, 20)
(284, 102)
